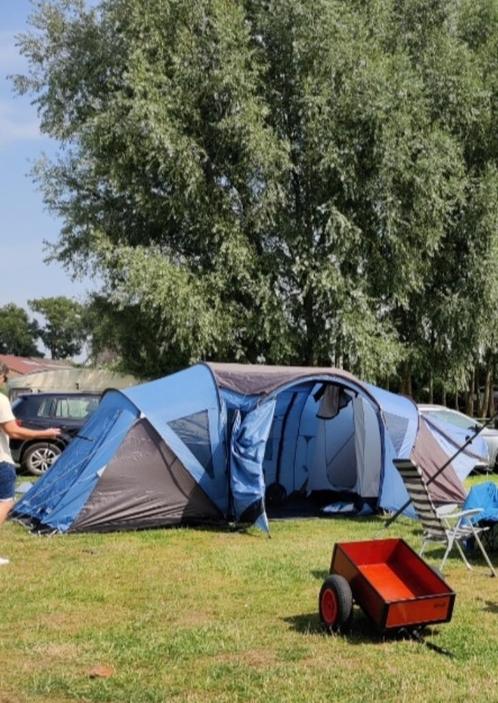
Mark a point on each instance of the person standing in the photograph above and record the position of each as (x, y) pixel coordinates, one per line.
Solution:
(10, 429)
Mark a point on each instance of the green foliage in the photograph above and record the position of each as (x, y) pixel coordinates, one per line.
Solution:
(302, 181)
(450, 322)
(64, 329)
(18, 334)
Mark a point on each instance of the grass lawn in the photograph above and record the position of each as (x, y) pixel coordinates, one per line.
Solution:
(211, 615)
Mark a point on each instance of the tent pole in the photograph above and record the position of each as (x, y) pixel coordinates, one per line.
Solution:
(443, 467)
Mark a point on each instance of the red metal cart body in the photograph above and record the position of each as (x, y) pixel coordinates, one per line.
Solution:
(392, 584)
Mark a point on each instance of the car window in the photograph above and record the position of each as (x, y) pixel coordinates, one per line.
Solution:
(45, 407)
(17, 405)
(77, 408)
(32, 406)
(457, 419)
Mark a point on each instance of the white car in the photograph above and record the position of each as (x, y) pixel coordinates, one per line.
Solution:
(464, 422)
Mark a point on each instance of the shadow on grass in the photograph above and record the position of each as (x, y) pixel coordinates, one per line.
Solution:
(319, 574)
(361, 631)
(305, 624)
(491, 607)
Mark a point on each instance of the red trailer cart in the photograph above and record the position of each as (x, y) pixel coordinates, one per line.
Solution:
(392, 584)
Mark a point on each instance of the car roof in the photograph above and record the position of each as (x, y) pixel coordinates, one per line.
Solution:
(59, 394)
(432, 406)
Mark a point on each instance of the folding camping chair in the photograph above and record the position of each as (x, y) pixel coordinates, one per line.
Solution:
(446, 524)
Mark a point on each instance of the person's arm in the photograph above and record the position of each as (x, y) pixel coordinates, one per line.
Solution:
(14, 431)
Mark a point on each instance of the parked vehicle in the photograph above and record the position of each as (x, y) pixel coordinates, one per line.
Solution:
(466, 424)
(69, 411)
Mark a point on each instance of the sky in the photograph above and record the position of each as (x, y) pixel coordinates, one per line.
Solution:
(24, 222)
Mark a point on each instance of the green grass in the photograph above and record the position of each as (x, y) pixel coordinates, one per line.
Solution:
(211, 615)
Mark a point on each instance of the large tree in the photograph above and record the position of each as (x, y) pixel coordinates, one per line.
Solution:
(64, 327)
(449, 322)
(18, 334)
(269, 180)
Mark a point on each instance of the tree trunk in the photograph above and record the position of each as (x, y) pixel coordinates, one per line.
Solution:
(406, 380)
(431, 387)
(310, 352)
(469, 397)
(466, 396)
(443, 397)
(484, 405)
(491, 410)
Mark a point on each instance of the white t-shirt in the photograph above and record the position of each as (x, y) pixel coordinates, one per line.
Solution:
(6, 415)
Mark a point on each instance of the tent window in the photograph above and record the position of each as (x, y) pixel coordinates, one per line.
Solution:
(193, 430)
(397, 427)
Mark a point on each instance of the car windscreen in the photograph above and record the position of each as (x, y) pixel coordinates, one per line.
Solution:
(456, 419)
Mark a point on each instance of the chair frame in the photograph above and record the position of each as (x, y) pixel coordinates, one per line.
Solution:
(446, 524)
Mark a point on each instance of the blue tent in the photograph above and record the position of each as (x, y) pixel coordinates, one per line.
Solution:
(213, 442)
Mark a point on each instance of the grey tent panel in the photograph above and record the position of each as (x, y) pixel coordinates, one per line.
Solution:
(144, 485)
(397, 428)
(257, 379)
(193, 430)
(427, 453)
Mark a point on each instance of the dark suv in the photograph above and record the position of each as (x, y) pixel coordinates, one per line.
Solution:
(37, 411)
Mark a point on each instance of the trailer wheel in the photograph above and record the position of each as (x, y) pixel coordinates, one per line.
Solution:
(335, 603)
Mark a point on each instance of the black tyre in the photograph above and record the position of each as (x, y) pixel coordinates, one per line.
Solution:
(39, 457)
(335, 603)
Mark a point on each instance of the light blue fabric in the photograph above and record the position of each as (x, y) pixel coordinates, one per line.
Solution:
(399, 426)
(248, 442)
(485, 496)
(295, 406)
(397, 406)
(392, 493)
(240, 402)
(340, 508)
(178, 395)
(289, 407)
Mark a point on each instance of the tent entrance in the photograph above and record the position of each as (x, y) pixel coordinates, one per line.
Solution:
(324, 440)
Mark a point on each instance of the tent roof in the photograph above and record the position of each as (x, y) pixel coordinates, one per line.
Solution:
(256, 379)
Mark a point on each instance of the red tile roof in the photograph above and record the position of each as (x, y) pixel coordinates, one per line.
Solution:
(24, 364)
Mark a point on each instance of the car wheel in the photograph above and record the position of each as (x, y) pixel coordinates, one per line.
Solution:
(39, 457)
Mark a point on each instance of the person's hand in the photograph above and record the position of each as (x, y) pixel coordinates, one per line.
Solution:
(53, 432)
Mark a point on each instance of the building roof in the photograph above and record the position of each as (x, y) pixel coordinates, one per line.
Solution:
(70, 379)
(24, 364)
